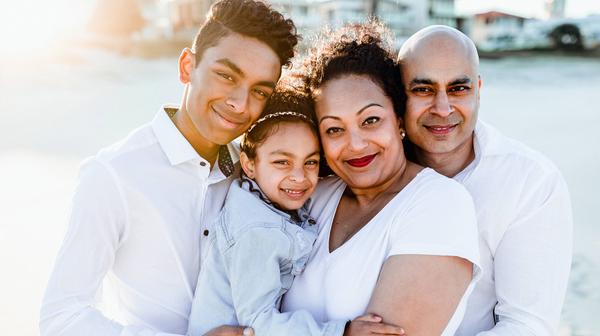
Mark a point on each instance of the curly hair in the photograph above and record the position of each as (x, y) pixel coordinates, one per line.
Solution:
(249, 18)
(285, 99)
(357, 49)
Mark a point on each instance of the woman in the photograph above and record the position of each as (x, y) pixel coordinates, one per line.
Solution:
(396, 239)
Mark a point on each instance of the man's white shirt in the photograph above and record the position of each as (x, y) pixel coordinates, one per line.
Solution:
(525, 227)
(139, 215)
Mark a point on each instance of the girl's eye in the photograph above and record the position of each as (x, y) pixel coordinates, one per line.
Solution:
(281, 162)
(333, 130)
(312, 163)
(371, 120)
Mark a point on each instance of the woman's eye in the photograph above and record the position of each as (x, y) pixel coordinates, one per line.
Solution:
(333, 130)
(371, 120)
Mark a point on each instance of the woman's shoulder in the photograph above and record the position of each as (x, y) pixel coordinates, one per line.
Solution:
(431, 184)
(326, 189)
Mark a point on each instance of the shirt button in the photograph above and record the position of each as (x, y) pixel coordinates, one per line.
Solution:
(203, 164)
(205, 233)
(312, 221)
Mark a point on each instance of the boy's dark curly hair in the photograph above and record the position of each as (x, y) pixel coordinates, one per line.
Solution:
(357, 49)
(249, 18)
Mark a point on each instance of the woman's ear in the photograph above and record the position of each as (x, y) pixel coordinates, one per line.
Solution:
(247, 165)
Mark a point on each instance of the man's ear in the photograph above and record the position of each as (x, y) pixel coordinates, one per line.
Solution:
(247, 165)
(187, 63)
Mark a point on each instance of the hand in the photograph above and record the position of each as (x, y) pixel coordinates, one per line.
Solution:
(230, 331)
(371, 324)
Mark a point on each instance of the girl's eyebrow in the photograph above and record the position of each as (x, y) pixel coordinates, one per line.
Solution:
(284, 153)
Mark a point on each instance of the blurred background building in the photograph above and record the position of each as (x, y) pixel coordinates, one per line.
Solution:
(492, 31)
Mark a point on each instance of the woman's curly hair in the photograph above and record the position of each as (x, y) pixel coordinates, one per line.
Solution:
(249, 18)
(362, 49)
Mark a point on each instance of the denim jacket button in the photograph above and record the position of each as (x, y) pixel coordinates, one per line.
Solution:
(312, 221)
(205, 233)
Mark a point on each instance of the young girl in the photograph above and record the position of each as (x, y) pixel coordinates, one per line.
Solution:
(264, 234)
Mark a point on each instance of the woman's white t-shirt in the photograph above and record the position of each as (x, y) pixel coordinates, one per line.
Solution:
(432, 215)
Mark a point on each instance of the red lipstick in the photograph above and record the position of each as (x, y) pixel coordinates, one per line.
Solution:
(362, 161)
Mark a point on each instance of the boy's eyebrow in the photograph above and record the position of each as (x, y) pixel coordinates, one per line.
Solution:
(228, 63)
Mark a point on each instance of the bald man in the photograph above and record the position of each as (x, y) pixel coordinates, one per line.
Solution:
(522, 202)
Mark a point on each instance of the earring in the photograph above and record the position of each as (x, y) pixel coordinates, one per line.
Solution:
(402, 133)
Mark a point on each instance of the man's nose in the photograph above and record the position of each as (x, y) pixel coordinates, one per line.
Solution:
(442, 104)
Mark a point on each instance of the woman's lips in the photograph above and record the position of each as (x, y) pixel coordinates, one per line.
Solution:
(362, 161)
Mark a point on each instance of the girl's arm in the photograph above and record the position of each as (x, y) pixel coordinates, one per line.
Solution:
(254, 273)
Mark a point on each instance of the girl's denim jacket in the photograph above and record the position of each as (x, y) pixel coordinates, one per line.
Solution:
(256, 250)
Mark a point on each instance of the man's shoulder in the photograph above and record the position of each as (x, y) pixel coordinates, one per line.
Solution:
(500, 150)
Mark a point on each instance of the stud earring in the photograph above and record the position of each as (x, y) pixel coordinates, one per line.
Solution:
(402, 133)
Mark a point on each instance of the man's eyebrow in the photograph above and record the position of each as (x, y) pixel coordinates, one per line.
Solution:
(228, 63)
(421, 81)
(462, 80)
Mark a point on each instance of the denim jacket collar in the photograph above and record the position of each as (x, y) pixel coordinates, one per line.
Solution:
(302, 216)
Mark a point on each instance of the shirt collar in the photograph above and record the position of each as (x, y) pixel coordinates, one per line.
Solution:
(179, 150)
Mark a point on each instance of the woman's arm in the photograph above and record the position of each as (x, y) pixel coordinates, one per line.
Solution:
(420, 292)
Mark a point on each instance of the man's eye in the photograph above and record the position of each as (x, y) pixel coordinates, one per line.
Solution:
(371, 120)
(460, 88)
(421, 90)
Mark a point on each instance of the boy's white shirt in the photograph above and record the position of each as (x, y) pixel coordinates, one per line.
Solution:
(135, 217)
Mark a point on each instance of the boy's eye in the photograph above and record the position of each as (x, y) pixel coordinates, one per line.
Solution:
(225, 76)
(262, 93)
(371, 120)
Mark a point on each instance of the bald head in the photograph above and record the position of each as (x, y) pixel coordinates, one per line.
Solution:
(439, 40)
(440, 73)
